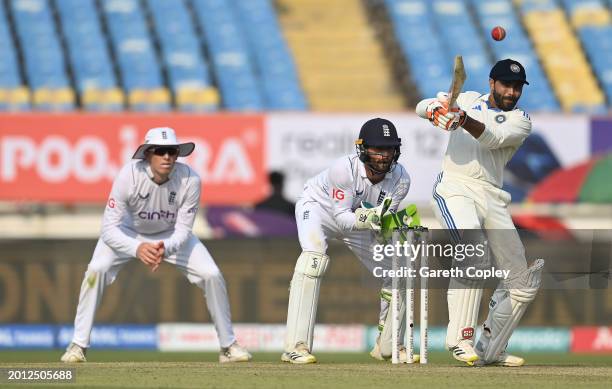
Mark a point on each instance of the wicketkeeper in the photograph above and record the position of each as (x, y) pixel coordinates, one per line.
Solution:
(485, 132)
(332, 206)
(149, 216)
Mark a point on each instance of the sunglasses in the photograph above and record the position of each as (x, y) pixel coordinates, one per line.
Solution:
(161, 151)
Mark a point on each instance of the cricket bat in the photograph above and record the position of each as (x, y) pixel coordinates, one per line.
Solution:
(457, 82)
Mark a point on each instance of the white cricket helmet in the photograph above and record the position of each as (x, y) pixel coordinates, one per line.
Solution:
(163, 136)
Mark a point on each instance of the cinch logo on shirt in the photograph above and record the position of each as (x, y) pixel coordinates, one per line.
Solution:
(155, 215)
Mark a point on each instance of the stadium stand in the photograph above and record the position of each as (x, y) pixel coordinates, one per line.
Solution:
(273, 61)
(182, 57)
(562, 56)
(471, 45)
(538, 96)
(593, 22)
(341, 63)
(136, 57)
(45, 68)
(90, 62)
(14, 96)
(228, 50)
(208, 55)
(428, 61)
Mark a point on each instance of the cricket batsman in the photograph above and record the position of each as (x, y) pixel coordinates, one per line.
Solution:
(333, 205)
(485, 132)
(149, 216)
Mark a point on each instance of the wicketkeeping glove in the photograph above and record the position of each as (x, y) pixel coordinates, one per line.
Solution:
(371, 218)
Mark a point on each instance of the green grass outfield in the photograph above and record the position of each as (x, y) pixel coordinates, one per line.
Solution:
(149, 369)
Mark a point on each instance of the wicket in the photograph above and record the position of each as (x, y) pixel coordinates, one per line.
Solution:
(409, 286)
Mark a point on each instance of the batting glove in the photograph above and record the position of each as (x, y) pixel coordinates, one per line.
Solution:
(441, 116)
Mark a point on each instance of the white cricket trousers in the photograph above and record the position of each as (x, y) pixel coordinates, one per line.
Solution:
(316, 226)
(461, 203)
(193, 260)
(466, 204)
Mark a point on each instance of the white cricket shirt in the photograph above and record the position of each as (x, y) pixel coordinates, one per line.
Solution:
(485, 158)
(341, 188)
(137, 205)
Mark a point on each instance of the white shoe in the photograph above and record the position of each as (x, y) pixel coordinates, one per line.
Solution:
(464, 352)
(299, 356)
(376, 354)
(504, 359)
(234, 353)
(74, 354)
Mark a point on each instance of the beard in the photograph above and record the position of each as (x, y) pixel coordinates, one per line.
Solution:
(382, 167)
(507, 104)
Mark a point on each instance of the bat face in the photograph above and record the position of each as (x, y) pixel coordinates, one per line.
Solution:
(457, 82)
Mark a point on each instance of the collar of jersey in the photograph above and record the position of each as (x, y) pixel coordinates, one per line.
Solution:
(485, 98)
(150, 172)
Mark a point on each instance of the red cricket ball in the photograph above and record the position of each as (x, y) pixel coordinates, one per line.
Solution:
(498, 33)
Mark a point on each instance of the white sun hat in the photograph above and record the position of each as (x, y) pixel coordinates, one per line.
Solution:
(163, 136)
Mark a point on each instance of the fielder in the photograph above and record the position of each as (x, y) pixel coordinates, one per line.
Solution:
(333, 206)
(149, 216)
(485, 132)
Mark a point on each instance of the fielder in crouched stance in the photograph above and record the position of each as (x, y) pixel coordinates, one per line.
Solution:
(149, 216)
(485, 132)
(333, 206)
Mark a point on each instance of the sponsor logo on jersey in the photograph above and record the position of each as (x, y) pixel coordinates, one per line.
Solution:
(111, 203)
(156, 215)
(338, 194)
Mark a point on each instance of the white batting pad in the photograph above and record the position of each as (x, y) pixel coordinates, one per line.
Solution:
(303, 298)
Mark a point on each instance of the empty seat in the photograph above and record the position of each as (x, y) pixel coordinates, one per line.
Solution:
(136, 57)
(45, 66)
(182, 57)
(89, 58)
(230, 57)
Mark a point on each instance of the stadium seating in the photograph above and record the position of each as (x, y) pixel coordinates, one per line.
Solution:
(538, 95)
(239, 55)
(272, 59)
(88, 55)
(13, 95)
(445, 14)
(182, 57)
(562, 57)
(429, 61)
(593, 22)
(342, 65)
(136, 56)
(45, 68)
(229, 53)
